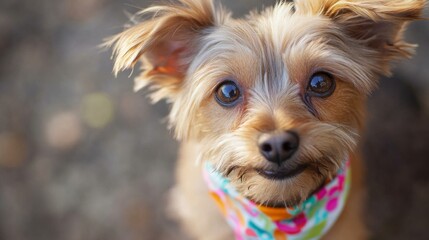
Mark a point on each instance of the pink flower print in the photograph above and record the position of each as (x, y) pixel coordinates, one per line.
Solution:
(341, 180)
(288, 228)
(333, 191)
(251, 210)
(293, 228)
(300, 220)
(332, 204)
(320, 194)
(250, 233)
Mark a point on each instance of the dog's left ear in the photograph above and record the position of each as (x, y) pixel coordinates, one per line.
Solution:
(165, 44)
(377, 24)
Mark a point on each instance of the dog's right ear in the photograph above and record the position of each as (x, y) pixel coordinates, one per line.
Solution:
(377, 24)
(165, 44)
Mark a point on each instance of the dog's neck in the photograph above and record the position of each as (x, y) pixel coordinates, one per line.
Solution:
(311, 219)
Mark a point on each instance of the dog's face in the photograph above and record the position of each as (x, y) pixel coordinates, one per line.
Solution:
(276, 99)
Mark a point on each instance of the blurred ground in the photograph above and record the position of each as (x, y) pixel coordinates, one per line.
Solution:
(83, 157)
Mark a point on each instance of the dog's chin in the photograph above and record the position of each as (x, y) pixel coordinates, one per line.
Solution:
(279, 187)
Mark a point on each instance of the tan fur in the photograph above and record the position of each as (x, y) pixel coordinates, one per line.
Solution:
(188, 48)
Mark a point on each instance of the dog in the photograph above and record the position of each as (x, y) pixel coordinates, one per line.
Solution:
(268, 108)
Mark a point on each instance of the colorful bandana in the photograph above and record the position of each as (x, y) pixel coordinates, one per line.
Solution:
(311, 220)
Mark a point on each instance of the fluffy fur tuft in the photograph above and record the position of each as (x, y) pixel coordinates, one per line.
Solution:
(162, 43)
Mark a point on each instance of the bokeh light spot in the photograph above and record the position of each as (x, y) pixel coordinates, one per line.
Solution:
(63, 131)
(13, 150)
(97, 110)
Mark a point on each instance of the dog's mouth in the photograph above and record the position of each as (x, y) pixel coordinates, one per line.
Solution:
(281, 173)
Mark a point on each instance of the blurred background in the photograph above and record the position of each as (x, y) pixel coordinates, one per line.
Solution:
(83, 157)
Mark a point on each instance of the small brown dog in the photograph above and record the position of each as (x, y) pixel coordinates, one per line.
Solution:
(270, 107)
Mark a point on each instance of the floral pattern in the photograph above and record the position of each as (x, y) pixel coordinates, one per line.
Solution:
(310, 220)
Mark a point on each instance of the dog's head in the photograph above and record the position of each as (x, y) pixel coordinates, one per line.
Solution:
(276, 99)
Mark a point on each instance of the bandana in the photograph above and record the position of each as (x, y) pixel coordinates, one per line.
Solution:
(310, 220)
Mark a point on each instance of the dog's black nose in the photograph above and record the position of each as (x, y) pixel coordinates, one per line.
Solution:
(279, 146)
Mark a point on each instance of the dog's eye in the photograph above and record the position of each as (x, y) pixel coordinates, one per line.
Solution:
(321, 85)
(227, 93)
